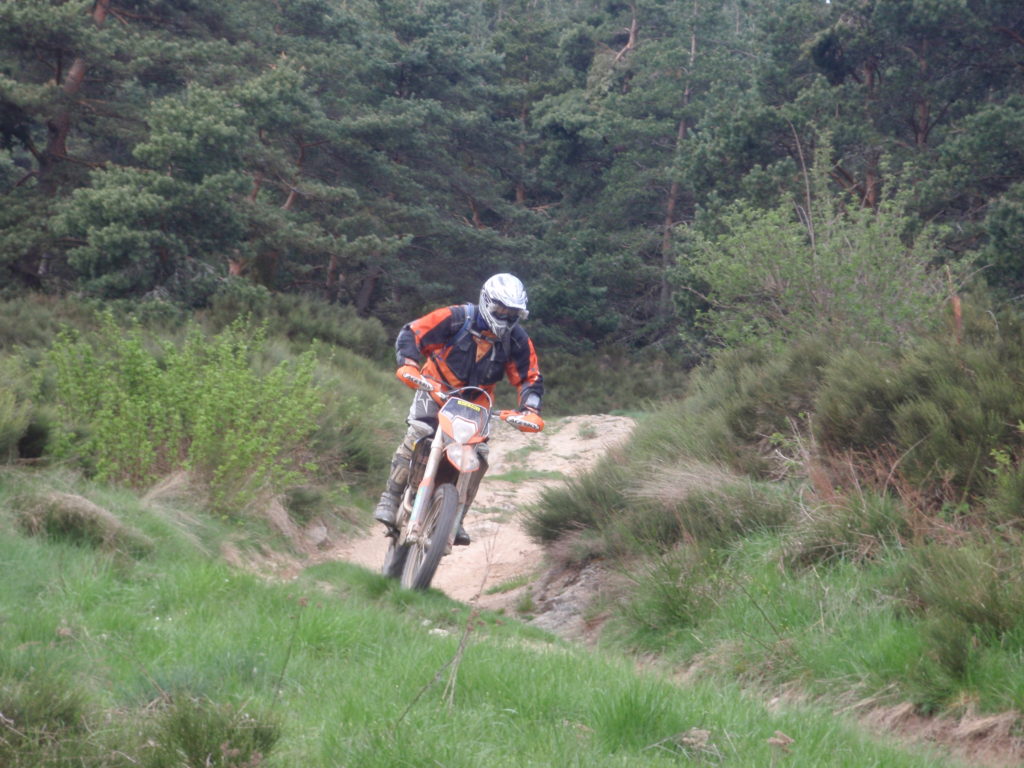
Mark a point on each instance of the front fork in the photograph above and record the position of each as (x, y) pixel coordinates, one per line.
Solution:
(416, 504)
(425, 489)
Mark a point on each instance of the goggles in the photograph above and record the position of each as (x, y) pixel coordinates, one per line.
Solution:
(506, 314)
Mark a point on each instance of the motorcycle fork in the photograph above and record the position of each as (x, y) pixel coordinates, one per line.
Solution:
(426, 486)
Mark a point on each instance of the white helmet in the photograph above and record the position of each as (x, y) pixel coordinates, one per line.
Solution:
(503, 302)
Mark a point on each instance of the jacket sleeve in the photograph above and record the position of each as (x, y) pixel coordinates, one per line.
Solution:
(523, 370)
(425, 335)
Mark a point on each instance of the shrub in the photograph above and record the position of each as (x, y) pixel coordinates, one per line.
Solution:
(15, 416)
(607, 380)
(362, 417)
(860, 389)
(739, 404)
(134, 413)
(829, 269)
(300, 319)
(1005, 503)
(942, 409)
(980, 584)
(35, 320)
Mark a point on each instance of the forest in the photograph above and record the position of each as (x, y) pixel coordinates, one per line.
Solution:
(660, 173)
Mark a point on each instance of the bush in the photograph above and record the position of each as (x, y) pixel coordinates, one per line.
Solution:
(854, 406)
(738, 405)
(134, 413)
(978, 583)
(702, 504)
(35, 320)
(608, 380)
(583, 502)
(838, 271)
(14, 422)
(300, 319)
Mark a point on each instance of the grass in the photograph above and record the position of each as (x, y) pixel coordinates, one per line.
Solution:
(508, 586)
(170, 657)
(845, 524)
(525, 475)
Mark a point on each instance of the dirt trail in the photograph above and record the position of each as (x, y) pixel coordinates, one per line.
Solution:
(521, 467)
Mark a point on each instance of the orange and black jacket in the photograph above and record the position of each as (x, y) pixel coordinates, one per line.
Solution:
(477, 359)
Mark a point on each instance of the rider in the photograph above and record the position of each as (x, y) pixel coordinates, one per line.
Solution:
(463, 345)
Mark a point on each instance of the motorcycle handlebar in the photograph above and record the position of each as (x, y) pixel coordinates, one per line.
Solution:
(524, 421)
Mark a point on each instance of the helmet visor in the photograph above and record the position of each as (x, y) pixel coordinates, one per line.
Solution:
(505, 314)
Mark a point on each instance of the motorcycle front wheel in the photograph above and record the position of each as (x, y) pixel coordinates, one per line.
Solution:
(437, 526)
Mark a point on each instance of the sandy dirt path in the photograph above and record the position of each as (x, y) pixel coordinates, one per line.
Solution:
(521, 467)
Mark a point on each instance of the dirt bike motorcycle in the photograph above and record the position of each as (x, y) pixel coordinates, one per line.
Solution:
(444, 474)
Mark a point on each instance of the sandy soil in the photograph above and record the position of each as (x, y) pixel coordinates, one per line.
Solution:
(501, 553)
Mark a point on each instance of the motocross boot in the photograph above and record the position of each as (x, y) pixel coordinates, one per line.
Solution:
(387, 506)
(462, 538)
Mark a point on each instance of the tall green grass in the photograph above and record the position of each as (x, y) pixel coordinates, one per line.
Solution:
(169, 658)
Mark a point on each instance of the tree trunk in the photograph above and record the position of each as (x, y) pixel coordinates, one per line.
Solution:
(332, 285)
(667, 257)
(674, 191)
(59, 126)
(632, 30)
(366, 290)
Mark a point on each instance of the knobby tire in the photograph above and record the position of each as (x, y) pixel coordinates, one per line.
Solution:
(438, 527)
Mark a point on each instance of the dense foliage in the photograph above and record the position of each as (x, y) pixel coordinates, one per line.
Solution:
(389, 154)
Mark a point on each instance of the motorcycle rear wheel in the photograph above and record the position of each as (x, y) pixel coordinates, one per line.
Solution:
(438, 526)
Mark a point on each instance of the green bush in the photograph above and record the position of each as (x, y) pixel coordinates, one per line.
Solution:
(939, 413)
(300, 319)
(35, 320)
(698, 504)
(1005, 503)
(860, 389)
(608, 380)
(842, 272)
(362, 418)
(133, 410)
(741, 403)
(978, 583)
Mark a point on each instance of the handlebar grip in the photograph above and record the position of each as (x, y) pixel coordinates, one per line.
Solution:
(524, 422)
(410, 376)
